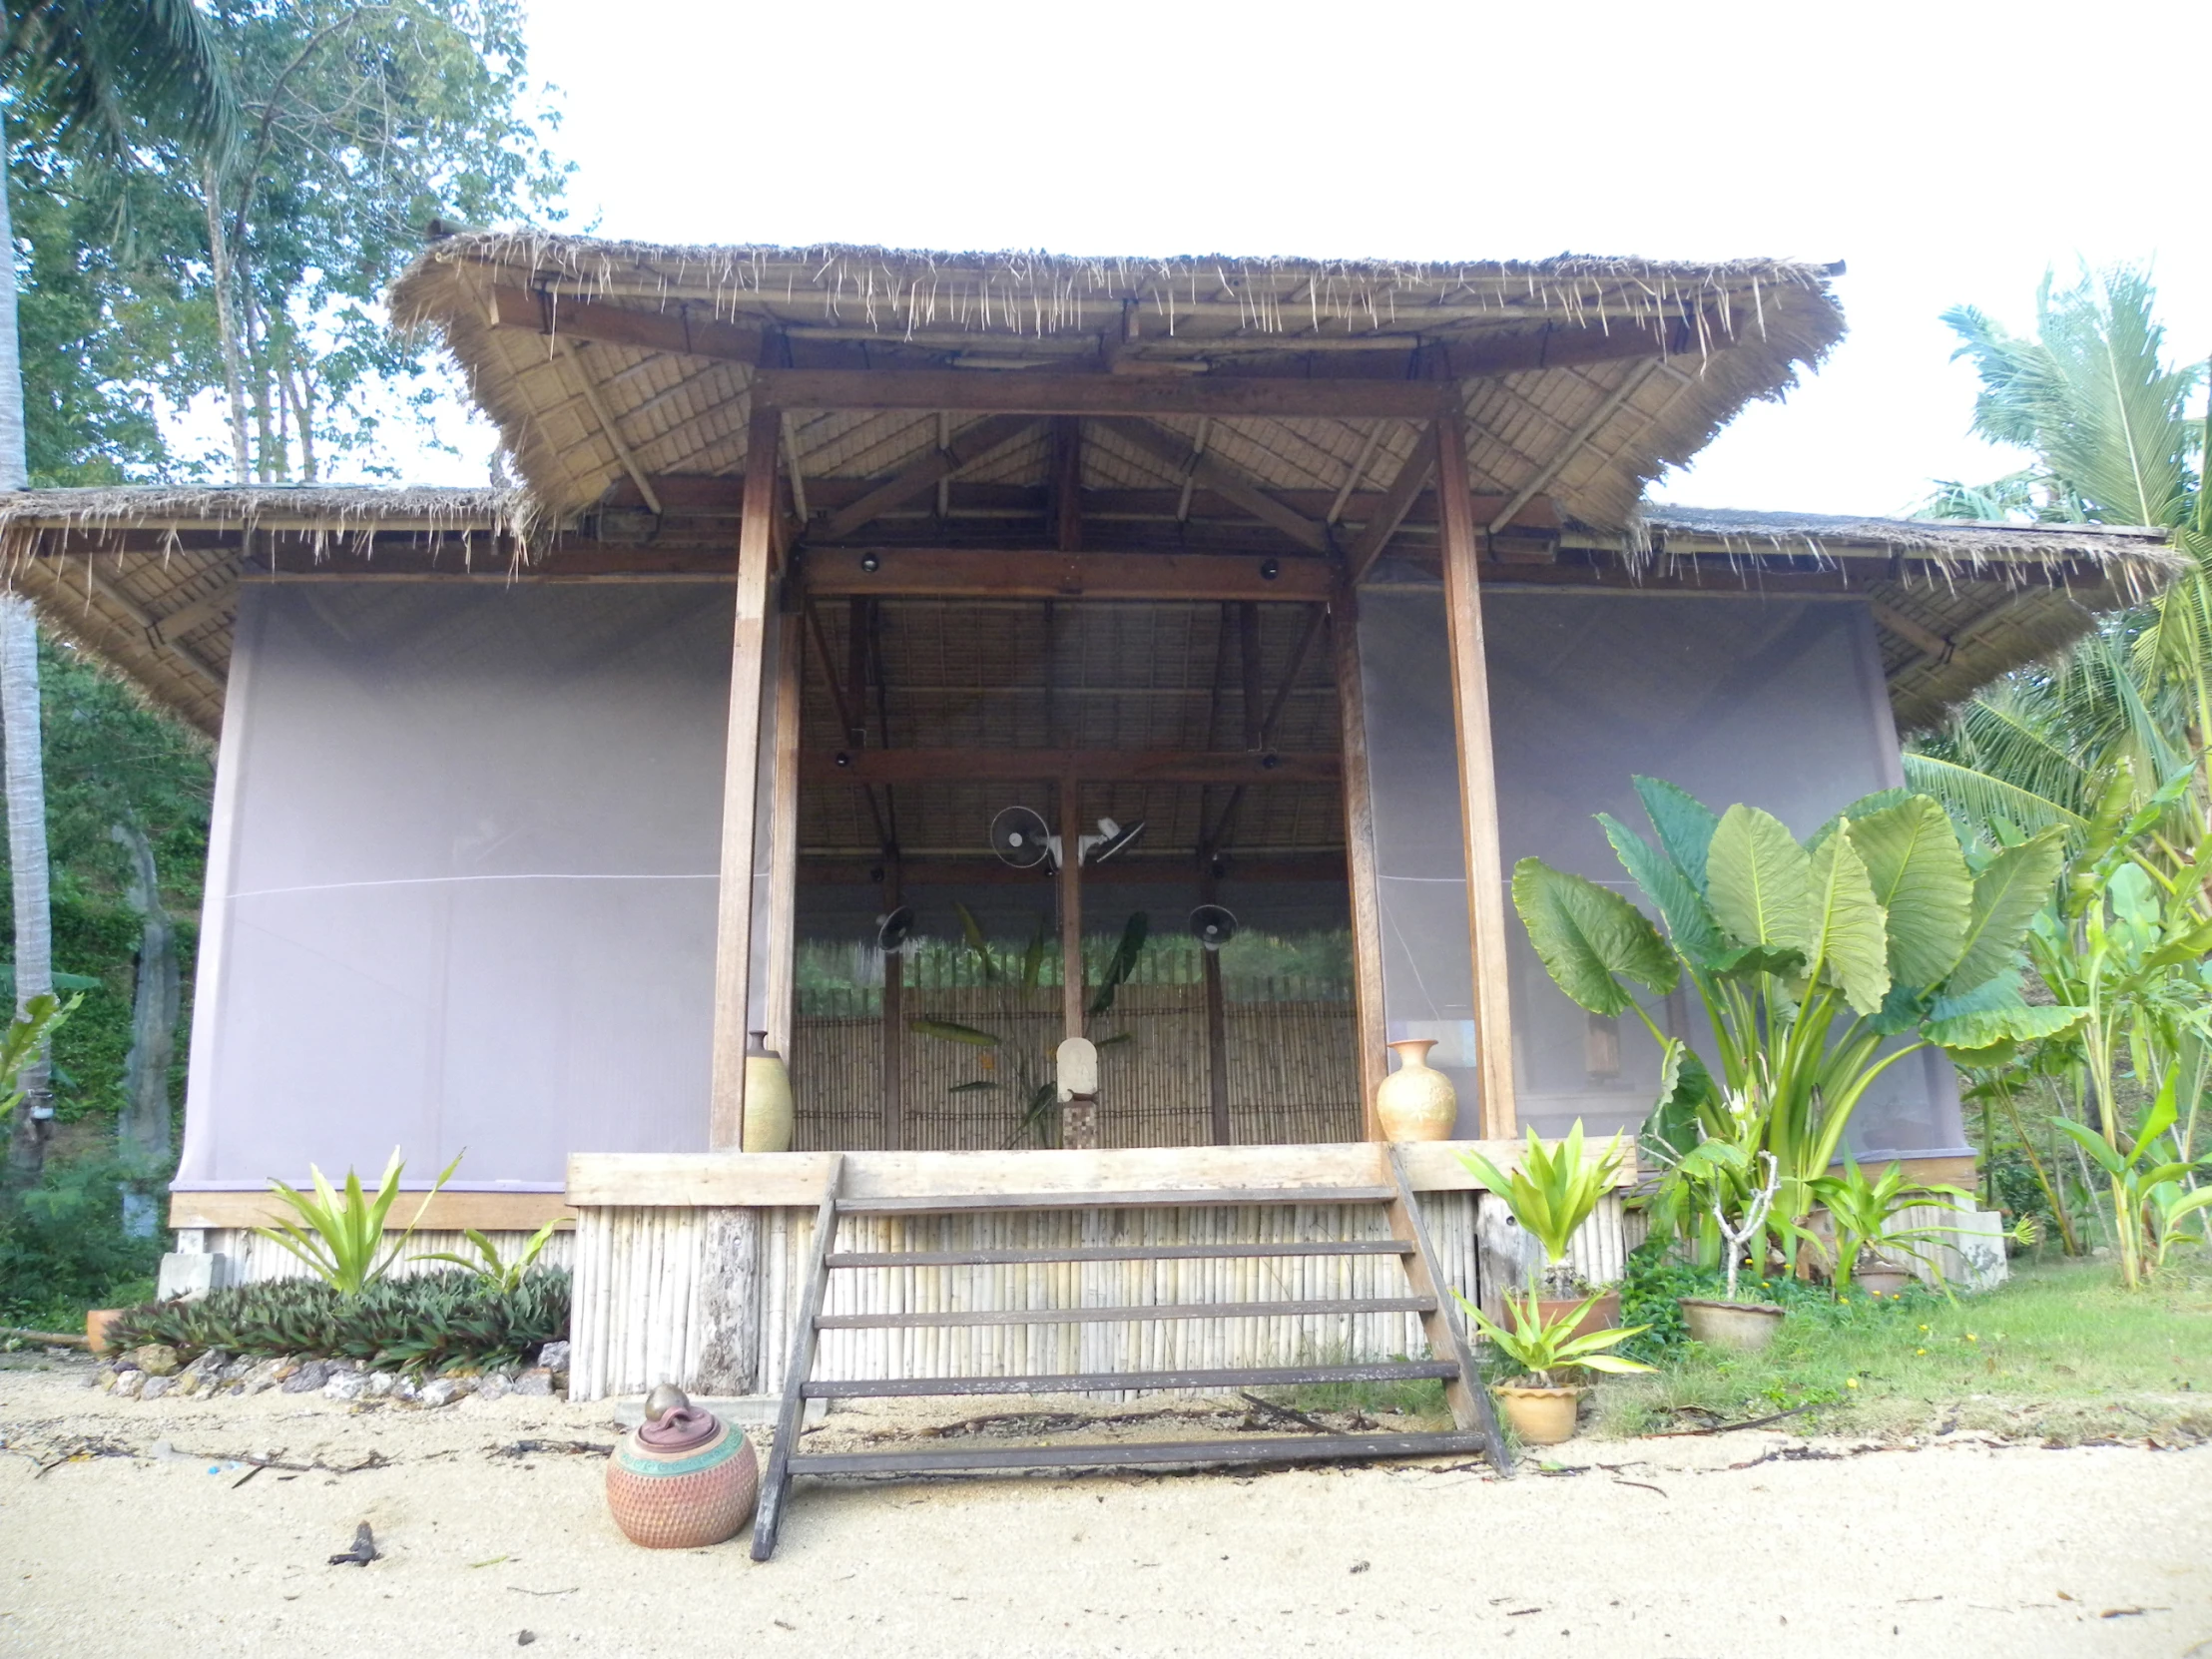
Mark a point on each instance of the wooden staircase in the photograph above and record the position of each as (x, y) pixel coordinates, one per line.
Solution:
(1474, 1413)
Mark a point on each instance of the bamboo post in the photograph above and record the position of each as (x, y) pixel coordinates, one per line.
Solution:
(740, 778)
(1471, 705)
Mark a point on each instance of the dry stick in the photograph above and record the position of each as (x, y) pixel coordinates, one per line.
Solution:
(1729, 1427)
(1287, 1413)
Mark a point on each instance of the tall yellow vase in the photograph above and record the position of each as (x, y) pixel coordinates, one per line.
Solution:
(1416, 1102)
(768, 1097)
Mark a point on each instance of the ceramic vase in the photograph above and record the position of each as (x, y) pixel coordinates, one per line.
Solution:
(1416, 1102)
(768, 1097)
(682, 1481)
(1881, 1279)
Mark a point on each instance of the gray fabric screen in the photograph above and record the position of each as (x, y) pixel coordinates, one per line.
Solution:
(1779, 702)
(462, 880)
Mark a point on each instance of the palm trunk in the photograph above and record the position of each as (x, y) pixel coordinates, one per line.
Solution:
(19, 721)
(142, 1129)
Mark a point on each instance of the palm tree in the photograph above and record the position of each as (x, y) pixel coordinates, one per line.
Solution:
(98, 74)
(2091, 397)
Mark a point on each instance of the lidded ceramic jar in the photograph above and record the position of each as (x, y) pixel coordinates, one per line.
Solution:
(1415, 1102)
(683, 1480)
(768, 1097)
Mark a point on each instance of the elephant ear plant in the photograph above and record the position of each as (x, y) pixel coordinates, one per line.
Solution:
(1820, 965)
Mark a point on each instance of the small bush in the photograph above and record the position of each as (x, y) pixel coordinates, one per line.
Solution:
(438, 1321)
(63, 1248)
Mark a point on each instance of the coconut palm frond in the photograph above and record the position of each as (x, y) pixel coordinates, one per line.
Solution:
(1982, 798)
(1997, 742)
(109, 73)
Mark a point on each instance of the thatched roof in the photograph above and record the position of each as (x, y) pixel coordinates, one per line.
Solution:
(1586, 376)
(148, 577)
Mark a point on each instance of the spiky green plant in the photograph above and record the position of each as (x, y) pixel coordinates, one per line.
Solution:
(342, 1239)
(486, 1265)
(1552, 1194)
(1541, 1347)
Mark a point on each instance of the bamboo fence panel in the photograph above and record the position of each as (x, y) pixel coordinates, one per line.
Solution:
(248, 1259)
(1293, 1069)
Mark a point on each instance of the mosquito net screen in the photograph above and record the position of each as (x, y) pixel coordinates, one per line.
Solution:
(461, 892)
(1779, 702)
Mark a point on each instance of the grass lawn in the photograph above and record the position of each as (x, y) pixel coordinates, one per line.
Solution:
(2059, 1352)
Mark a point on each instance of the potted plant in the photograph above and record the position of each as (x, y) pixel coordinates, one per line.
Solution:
(1868, 1246)
(1552, 1195)
(1738, 1180)
(1538, 1403)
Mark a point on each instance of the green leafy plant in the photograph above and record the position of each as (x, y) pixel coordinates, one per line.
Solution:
(2135, 1174)
(1551, 1194)
(1820, 964)
(1542, 1346)
(429, 1322)
(486, 1265)
(1864, 1208)
(25, 1036)
(342, 1237)
(1033, 1088)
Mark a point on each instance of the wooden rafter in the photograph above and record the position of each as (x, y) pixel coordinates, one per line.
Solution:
(1042, 393)
(921, 476)
(1092, 765)
(921, 572)
(1397, 501)
(1222, 479)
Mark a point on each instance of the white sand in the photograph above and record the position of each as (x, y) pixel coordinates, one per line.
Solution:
(1960, 1548)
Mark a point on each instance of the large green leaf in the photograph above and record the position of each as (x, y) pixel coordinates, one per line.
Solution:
(951, 1031)
(1920, 880)
(1586, 934)
(1688, 917)
(1864, 807)
(1987, 1036)
(1849, 938)
(2007, 895)
(1760, 881)
(1685, 825)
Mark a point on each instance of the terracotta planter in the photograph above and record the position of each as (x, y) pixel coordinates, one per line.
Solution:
(1415, 1102)
(682, 1481)
(1540, 1416)
(768, 1097)
(1605, 1313)
(96, 1328)
(1883, 1281)
(1746, 1327)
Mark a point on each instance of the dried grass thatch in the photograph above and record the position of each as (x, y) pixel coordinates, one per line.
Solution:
(1592, 434)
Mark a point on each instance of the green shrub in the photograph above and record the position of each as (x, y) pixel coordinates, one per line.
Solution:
(438, 1321)
(63, 1248)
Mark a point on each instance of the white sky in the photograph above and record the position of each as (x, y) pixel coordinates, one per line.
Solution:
(1948, 151)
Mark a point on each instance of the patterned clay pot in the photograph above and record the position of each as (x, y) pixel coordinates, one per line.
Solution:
(1415, 1102)
(768, 1097)
(96, 1328)
(682, 1482)
(1540, 1416)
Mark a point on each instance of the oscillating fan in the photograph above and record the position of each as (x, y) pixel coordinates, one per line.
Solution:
(1111, 838)
(1213, 925)
(1022, 838)
(893, 931)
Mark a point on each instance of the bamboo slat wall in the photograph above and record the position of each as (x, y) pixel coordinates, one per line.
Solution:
(249, 1257)
(1293, 1071)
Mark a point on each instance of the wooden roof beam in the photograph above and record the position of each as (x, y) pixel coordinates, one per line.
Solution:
(1224, 480)
(663, 330)
(1038, 392)
(1083, 766)
(974, 573)
(1405, 489)
(920, 476)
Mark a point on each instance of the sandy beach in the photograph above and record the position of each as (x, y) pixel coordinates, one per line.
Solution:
(133, 1527)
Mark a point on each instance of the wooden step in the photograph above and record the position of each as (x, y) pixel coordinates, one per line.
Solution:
(1247, 1376)
(1181, 1197)
(1109, 1315)
(1304, 1449)
(1115, 1253)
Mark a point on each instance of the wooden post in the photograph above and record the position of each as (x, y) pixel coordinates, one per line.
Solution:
(783, 868)
(1217, 1026)
(1071, 907)
(740, 777)
(1369, 1029)
(894, 1024)
(1470, 704)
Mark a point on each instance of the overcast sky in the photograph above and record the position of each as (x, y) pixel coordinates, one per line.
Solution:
(1949, 152)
